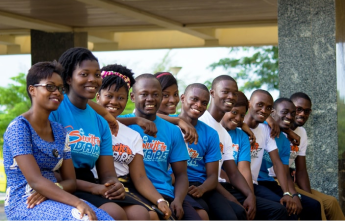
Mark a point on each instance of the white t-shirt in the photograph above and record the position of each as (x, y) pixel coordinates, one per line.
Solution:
(224, 139)
(125, 145)
(263, 142)
(296, 150)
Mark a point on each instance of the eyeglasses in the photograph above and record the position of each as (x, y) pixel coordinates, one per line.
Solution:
(51, 87)
(300, 110)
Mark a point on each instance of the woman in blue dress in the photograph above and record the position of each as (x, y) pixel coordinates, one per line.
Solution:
(34, 148)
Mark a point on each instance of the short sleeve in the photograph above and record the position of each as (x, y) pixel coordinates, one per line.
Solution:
(67, 148)
(106, 140)
(303, 142)
(270, 143)
(179, 151)
(285, 152)
(18, 138)
(213, 152)
(138, 144)
(227, 148)
(244, 149)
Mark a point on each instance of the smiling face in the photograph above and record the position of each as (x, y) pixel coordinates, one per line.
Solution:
(194, 102)
(44, 98)
(170, 100)
(234, 118)
(303, 110)
(284, 114)
(225, 95)
(86, 79)
(260, 106)
(114, 101)
(147, 96)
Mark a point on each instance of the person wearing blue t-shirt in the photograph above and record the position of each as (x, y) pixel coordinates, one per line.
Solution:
(283, 113)
(90, 138)
(166, 148)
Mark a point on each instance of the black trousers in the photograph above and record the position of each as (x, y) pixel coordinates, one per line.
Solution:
(218, 207)
(311, 208)
(265, 209)
(189, 212)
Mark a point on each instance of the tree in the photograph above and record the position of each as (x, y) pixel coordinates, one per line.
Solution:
(258, 70)
(14, 101)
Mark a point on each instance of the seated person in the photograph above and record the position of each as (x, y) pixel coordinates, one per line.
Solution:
(330, 208)
(128, 150)
(283, 113)
(260, 107)
(166, 148)
(223, 97)
(34, 148)
(265, 209)
(90, 138)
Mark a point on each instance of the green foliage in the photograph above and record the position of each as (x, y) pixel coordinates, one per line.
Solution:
(259, 69)
(163, 65)
(14, 101)
(130, 106)
(341, 127)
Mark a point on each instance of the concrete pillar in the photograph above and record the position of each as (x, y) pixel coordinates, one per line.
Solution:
(49, 46)
(308, 34)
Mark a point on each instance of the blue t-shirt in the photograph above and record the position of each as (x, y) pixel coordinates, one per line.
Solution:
(207, 150)
(283, 145)
(89, 133)
(168, 147)
(240, 145)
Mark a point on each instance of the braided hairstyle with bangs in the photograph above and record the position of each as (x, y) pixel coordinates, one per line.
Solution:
(70, 59)
(110, 80)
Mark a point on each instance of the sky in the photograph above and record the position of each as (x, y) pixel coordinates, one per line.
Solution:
(194, 63)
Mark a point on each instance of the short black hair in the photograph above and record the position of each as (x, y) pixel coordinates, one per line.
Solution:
(70, 59)
(242, 100)
(280, 100)
(110, 80)
(144, 76)
(166, 79)
(196, 85)
(221, 78)
(260, 91)
(300, 95)
(42, 70)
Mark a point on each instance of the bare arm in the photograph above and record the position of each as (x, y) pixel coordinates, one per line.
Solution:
(302, 177)
(249, 132)
(190, 134)
(244, 168)
(144, 185)
(114, 127)
(181, 186)
(292, 136)
(48, 189)
(210, 182)
(275, 129)
(148, 126)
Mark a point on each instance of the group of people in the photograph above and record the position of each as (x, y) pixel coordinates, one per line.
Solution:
(224, 156)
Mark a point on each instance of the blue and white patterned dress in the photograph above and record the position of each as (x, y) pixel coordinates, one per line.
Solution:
(21, 139)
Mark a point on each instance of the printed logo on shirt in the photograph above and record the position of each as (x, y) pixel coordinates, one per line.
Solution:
(294, 151)
(235, 148)
(154, 150)
(84, 144)
(194, 157)
(221, 147)
(122, 153)
(254, 150)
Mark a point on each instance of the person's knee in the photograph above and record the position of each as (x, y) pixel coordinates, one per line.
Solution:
(114, 210)
(137, 212)
(153, 215)
(203, 214)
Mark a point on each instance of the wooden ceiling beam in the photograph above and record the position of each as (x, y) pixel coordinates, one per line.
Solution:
(146, 16)
(20, 21)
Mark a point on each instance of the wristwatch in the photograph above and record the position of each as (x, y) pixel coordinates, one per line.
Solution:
(287, 194)
(162, 200)
(297, 194)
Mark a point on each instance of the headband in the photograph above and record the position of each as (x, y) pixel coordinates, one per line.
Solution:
(163, 74)
(124, 77)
